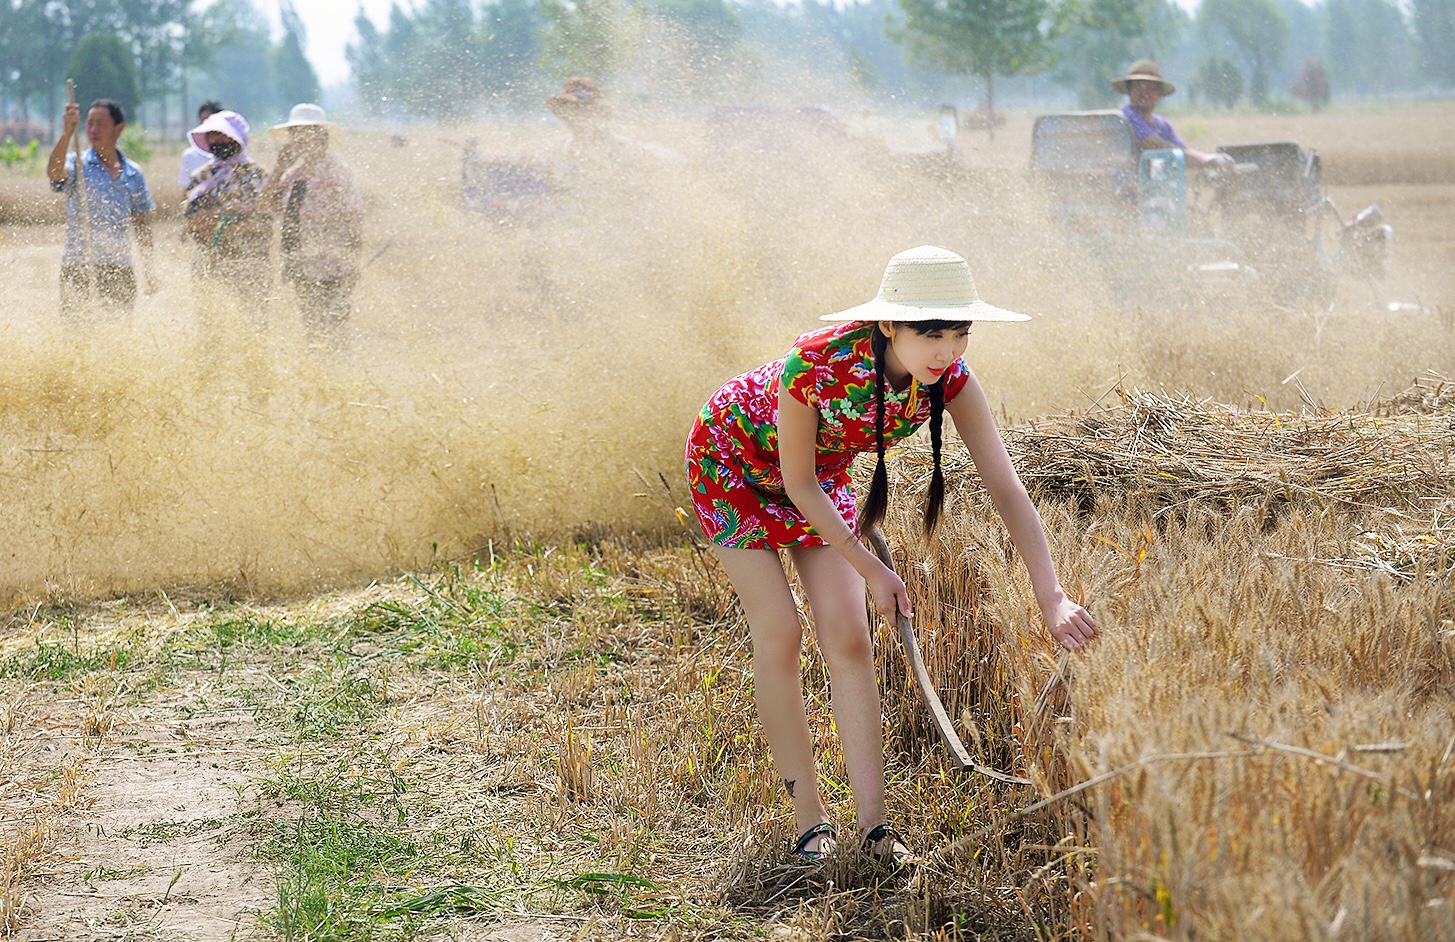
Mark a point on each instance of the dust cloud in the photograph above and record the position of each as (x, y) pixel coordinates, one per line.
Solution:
(535, 376)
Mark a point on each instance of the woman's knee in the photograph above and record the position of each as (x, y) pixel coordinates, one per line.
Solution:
(845, 642)
(778, 646)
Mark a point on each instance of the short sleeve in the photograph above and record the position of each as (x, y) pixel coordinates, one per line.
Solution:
(800, 376)
(1172, 134)
(60, 186)
(141, 197)
(955, 380)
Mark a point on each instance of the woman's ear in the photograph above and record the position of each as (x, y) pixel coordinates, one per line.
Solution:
(887, 329)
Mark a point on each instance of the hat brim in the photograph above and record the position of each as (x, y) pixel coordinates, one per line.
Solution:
(1123, 86)
(881, 310)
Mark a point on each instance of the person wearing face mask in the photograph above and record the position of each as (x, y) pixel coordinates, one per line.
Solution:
(195, 158)
(223, 215)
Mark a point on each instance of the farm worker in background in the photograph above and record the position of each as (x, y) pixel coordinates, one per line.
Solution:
(194, 157)
(222, 215)
(1144, 86)
(322, 223)
(584, 111)
(116, 196)
(768, 466)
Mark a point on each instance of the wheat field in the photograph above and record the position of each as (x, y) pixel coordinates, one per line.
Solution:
(407, 641)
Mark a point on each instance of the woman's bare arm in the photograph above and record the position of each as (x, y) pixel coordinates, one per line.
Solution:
(1070, 624)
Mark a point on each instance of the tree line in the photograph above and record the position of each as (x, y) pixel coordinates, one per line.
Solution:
(454, 58)
(159, 58)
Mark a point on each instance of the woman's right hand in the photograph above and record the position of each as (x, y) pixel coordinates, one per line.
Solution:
(891, 598)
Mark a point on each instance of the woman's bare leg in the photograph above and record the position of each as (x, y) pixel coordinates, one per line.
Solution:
(841, 624)
(762, 587)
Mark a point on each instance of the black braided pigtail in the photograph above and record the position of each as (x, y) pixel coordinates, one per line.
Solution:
(878, 499)
(935, 499)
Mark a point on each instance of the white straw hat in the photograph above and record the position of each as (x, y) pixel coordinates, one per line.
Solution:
(926, 284)
(302, 116)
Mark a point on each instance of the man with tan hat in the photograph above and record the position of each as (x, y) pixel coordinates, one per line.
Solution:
(321, 220)
(1144, 86)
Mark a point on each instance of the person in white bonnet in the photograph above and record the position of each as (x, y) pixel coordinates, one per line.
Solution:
(321, 218)
(195, 158)
(224, 217)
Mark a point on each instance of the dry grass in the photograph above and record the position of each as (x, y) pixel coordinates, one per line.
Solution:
(492, 363)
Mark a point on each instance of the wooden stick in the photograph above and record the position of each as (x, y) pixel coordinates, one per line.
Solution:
(81, 197)
(958, 754)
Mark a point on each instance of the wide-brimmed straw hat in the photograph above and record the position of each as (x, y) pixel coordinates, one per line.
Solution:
(229, 123)
(1143, 70)
(579, 97)
(926, 284)
(302, 116)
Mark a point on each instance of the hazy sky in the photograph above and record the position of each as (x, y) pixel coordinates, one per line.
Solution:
(330, 26)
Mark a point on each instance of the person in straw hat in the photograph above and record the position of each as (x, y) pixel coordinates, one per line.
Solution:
(1144, 87)
(322, 223)
(768, 466)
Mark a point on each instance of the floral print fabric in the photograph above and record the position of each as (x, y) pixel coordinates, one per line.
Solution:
(235, 198)
(733, 467)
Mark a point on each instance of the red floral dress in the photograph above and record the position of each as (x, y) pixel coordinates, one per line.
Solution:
(732, 452)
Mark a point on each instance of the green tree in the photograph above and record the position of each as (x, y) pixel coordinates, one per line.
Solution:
(450, 79)
(710, 25)
(368, 64)
(103, 68)
(985, 38)
(1219, 81)
(588, 37)
(1369, 46)
(1102, 36)
(239, 67)
(1256, 28)
(510, 52)
(1434, 27)
(293, 75)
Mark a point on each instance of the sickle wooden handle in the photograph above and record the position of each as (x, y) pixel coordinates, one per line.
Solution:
(958, 753)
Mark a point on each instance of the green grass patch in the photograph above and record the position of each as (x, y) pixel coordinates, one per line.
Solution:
(67, 660)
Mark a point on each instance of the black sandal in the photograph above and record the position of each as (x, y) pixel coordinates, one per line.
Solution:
(892, 858)
(826, 831)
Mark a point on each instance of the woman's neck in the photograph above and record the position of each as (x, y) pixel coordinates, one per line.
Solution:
(894, 372)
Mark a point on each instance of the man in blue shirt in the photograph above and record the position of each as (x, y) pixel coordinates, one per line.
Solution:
(1144, 86)
(96, 264)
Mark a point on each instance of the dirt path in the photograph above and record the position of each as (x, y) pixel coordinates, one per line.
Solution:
(153, 851)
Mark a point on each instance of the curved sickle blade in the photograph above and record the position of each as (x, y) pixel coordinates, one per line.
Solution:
(958, 753)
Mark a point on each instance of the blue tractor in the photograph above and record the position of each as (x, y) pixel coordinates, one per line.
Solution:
(1257, 230)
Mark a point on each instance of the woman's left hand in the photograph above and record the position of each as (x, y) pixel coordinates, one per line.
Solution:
(1070, 623)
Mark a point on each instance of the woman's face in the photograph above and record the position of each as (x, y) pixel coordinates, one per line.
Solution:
(927, 356)
(309, 141)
